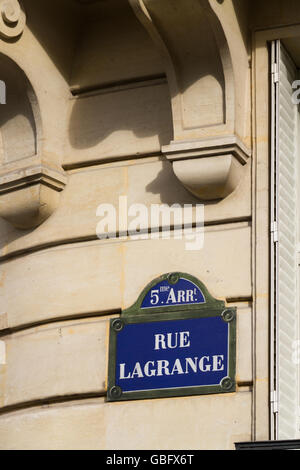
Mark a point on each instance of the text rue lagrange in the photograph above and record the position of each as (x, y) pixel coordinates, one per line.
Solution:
(187, 365)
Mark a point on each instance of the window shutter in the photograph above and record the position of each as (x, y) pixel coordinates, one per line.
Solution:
(285, 243)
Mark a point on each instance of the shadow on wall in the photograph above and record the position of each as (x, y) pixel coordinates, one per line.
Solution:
(243, 13)
(8, 233)
(127, 107)
(103, 43)
(56, 26)
(169, 188)
(17, 123)
(137, 113)
(145, 112)
(194, 43)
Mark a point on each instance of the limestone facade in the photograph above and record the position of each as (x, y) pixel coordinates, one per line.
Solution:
(165, 102)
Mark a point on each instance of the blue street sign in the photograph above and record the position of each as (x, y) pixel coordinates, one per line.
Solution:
(172, 354)
(175, 340)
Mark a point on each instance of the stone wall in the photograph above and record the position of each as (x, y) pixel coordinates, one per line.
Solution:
(122, 94)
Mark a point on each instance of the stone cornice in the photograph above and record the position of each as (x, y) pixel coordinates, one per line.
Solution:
(183, 150)
(29, 195)
(210, 169)
(38, 174)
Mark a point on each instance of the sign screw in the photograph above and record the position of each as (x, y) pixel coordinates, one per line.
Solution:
(226, 383)
(228, 315)
(173, 278)
(117, 325)
(115, 392)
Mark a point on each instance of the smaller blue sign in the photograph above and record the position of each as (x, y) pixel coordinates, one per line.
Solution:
(165, 294)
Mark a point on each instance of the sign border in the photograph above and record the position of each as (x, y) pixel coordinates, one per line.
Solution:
(173, 277)
(211, 308)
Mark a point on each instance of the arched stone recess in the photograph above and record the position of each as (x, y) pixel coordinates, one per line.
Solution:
(31, 177)
(207, 66)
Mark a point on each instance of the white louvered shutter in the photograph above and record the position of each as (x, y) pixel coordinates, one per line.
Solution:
(285, 238)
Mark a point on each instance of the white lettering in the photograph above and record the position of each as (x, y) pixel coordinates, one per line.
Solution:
(192, 363)
(169, 341)
(217, 363)
(189, 296)
(177, 367)
(137, 371)
(160, 340)
(146, 369)
(172, 340)
(202, 367)
(122, 372)
(154, 297)
(184, 339)
(171, 297)
(181, 296)
(162, 365)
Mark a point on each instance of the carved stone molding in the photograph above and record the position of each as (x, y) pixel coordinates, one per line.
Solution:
(200, 78)
(12, 19)
(209, 169)
(30, 180)
(28, 196)
(207, 66)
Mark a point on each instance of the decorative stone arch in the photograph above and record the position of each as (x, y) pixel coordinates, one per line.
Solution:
(29, 190)
(20, 115)
(31, 176)
(210, 111)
